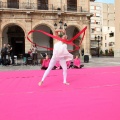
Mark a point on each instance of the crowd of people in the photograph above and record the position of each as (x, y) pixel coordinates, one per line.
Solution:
(7, 58)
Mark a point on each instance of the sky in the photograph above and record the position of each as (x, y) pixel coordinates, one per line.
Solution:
(105, 1)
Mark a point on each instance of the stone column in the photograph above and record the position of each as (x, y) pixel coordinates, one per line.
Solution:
(27, 42)
(87, 39)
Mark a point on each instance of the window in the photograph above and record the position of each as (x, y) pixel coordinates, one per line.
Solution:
(92, 30)
(105, 44)
(93, 36)
(92, 21)
(43, 4)
(98, 23)
(13, 3)
(105, 37)
(97, 15)
(97, 8)
(111, 43)
(72, 5)
(111, 34)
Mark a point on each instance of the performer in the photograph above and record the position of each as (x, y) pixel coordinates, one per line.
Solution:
(61, 54)
(45, 63)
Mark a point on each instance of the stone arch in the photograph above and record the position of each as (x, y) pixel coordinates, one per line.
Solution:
(14, 35)
(46, 24)
(71, 31)
(3, 26)
(43, 40)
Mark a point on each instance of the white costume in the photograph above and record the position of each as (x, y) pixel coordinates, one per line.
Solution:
(60, 53)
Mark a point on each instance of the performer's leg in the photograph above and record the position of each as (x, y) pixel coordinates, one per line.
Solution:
(51, 65)
(64, 67)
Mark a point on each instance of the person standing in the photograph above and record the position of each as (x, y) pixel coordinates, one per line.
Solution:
(10, 53)
(61, 54)
(34, 54)
(3, 54)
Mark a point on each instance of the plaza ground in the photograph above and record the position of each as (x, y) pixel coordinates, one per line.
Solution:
(93, 62)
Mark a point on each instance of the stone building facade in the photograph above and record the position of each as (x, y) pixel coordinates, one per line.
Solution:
(117, 29)
(18, 17)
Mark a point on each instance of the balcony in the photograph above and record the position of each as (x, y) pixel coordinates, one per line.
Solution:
(35, 6)
(74, 8)
(25, 5)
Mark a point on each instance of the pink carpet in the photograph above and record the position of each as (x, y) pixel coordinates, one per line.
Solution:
(93, 94)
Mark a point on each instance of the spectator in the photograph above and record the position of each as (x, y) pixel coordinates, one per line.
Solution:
(76, 62)
(45, 63)
(57, 66)
(10, 52)
(34, 54)
(3, 54)
(30, 52)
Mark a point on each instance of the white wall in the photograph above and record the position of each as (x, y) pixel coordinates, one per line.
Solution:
(106, 32)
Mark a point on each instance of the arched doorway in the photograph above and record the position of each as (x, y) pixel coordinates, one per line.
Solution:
(71, 32)
(14, 35)
(43, 40)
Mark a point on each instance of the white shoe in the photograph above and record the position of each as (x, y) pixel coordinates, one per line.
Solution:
(66, 83)
(40, 83)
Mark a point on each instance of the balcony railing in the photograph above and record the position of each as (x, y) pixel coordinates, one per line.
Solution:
(35, 6)
(74, 8)
(26, 5)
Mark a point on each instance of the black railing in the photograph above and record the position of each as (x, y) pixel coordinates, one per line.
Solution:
(13, 5)
(26, 5)
(42, 6)
(71, 8)
(74, 8)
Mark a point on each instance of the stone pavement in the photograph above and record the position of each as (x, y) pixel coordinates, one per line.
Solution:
(93, 62)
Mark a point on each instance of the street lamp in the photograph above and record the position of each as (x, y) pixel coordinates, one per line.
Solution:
(60, 25)
(98, 38)
(55, 25)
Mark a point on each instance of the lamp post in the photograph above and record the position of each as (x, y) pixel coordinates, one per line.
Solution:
(61, 26)
(98, 38)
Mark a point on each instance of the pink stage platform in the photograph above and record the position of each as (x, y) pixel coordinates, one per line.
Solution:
(93, 94)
